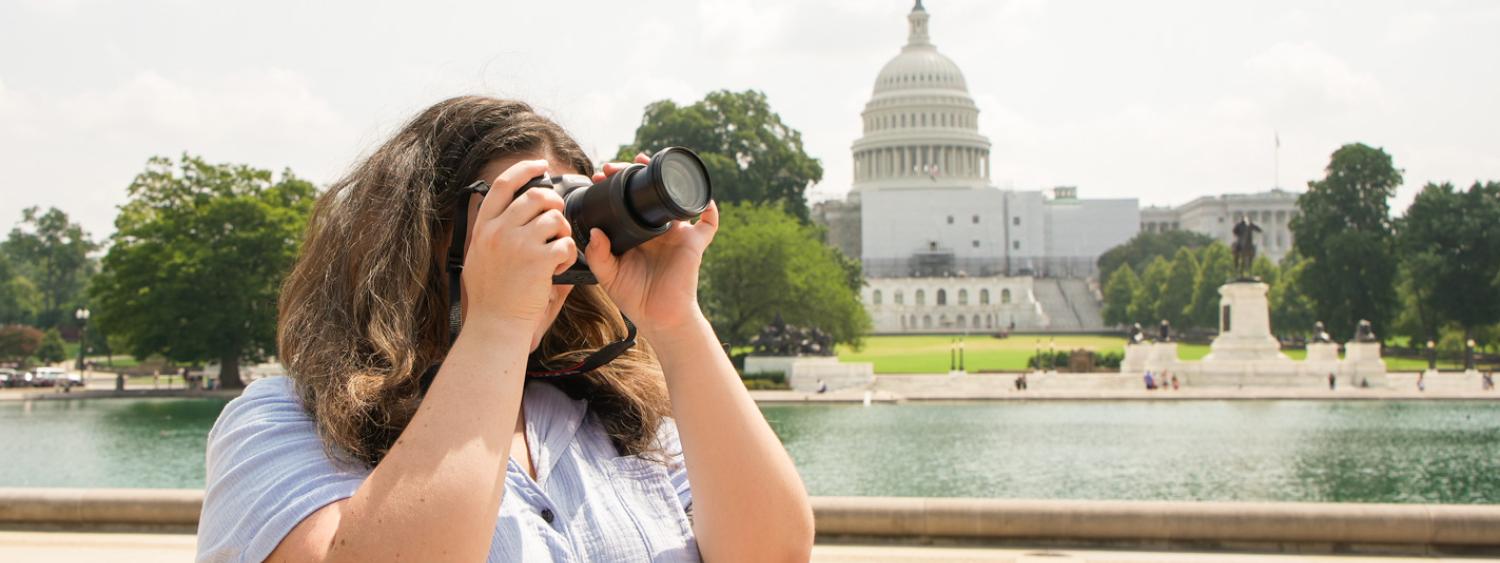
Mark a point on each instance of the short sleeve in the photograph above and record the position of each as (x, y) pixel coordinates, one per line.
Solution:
(671, 445)
(266, 471)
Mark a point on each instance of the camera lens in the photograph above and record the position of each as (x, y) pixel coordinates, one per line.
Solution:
(675, 186)
(685, 180)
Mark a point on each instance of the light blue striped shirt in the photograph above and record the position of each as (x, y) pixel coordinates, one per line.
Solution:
(267, 471)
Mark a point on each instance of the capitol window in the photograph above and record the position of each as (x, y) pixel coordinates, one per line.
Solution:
(942, 297)
(1004, 296)
(963, 297)
(921, 297)
(876, 297)
(976, 219)
(984, 297)
(1015, 221)
(976, 244)
(1015, 245)
(899, 297)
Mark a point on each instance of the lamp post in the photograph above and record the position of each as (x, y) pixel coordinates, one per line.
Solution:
(1469, 355)
(1431, 356)
(82, 314)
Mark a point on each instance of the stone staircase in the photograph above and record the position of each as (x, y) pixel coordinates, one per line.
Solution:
(1060, 314)
(1084, 303)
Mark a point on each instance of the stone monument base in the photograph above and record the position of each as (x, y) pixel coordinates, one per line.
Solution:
(803, 373)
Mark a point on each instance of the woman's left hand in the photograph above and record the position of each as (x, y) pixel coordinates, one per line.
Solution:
(656, 283)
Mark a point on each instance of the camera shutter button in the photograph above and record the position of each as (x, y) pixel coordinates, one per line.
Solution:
(547, 515)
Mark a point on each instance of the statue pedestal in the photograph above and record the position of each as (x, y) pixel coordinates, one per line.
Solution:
(1134, 361)
(1244, 325)
(1245, 353)
(1362, 362)
(1322, 359)
(1163, 357)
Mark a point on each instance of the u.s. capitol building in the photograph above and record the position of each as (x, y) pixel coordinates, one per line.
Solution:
(943, 248)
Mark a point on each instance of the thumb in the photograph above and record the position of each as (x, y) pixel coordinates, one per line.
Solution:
(601, 261)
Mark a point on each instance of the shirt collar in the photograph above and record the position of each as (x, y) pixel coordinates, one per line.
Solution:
(552, 420)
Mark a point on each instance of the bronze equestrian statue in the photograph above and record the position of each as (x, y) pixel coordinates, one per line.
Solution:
(1244, 248)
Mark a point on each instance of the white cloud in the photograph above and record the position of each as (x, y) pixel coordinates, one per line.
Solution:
(1305, 78)
(83, 149)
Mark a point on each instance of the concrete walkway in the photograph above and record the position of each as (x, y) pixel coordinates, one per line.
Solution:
(69, 547)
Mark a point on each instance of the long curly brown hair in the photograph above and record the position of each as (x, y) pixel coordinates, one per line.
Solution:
(363, 313)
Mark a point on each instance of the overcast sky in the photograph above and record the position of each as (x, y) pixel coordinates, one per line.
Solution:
(1163, 101)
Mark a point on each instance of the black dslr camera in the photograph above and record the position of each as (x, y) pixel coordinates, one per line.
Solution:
(633, 206)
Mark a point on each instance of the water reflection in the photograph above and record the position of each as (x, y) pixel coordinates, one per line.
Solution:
(1407, 452)
(1151, 450)
(105, 443)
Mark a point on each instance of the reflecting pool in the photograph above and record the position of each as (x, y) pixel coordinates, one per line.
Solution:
(1358, 451)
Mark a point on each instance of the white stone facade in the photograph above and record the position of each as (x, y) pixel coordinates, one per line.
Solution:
(922, 203)
(951, 305)
(1215, 216)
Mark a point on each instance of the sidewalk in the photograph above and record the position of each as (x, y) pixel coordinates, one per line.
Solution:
(69, 547)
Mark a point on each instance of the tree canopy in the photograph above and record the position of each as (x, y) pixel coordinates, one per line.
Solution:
(762, 263)
(1145, 247)
(1450, 238)
(197, 259)
(750, 153)
(1118, 291)
(1344, 231)
(50, 252)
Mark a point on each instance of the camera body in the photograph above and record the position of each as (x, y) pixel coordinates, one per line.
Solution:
(631, 206)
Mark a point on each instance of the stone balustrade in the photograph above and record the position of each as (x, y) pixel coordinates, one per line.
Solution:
(1285, 526)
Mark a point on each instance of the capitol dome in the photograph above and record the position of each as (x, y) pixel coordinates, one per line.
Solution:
(920, 122)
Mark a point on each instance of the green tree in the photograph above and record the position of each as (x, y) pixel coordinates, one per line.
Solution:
(1451, 241)
(1291, 309)
(1344, 230)
(1144, 247)
(19, 343)
(17, 295)
(1265, 269)
(52, 251)
(750, 154)
(1118, 291)
(1145, 307)
(1215, 265)
(196, 261)
(763, 262)
(1176, 300)
(51, 350)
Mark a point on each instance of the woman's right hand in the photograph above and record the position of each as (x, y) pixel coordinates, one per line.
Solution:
(517, 244)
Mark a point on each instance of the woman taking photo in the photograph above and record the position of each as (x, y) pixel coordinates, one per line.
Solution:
(659, 454)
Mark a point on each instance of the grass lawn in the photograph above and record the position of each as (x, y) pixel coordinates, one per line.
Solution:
(929, 354)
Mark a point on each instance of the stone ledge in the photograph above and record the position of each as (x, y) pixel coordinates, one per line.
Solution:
(1425, 527)
(1201, 523)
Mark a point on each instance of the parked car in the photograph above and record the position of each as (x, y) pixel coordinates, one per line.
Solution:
(9, 377)
(49, 377)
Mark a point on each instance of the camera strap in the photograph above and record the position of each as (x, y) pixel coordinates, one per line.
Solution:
(455, 266)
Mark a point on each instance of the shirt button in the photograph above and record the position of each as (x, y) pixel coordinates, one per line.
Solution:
(547, 515)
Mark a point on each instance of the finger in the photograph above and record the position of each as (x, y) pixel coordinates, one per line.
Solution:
(531, 204)
(503, 187)
(565, 252)
(601, 261)
(598, 176)
(711, 215)
(550, 225)
(610, 168)
(641, 158)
